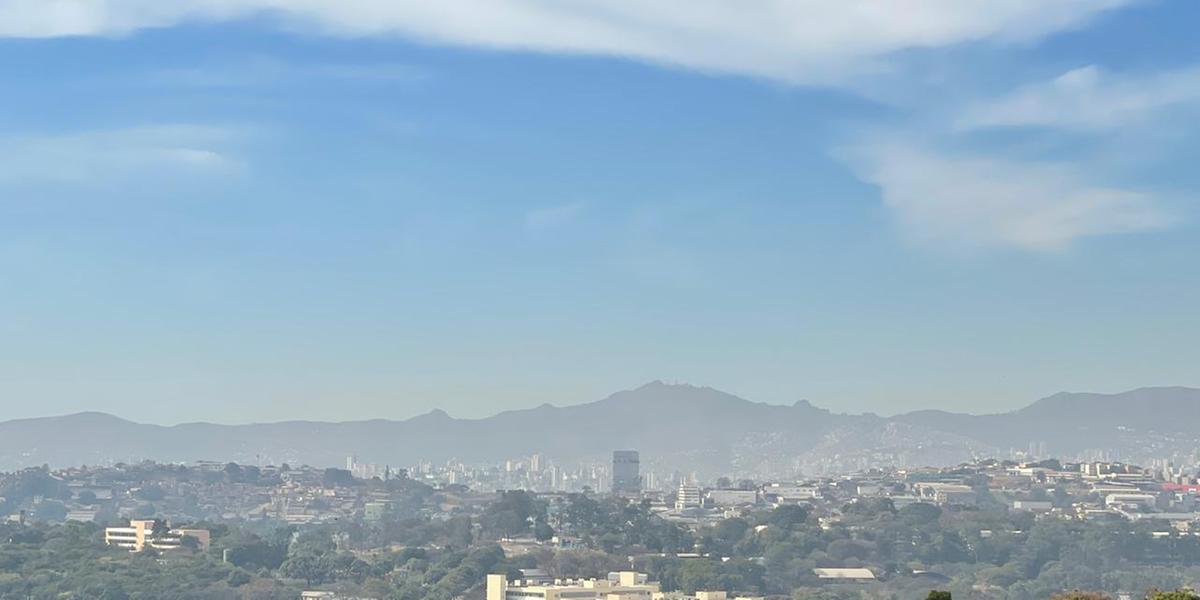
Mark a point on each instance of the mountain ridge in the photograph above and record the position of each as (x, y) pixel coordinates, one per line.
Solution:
(676, 425)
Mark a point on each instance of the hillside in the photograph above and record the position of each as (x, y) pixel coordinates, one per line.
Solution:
(676, 426)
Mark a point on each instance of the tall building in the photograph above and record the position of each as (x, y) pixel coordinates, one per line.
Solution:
(626, 475)
(688, 496)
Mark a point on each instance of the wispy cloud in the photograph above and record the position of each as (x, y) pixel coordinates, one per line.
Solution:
(548, 217)
(1087, 98)
(790, 40)
(259, 71)
(987, 201)
(84, 157)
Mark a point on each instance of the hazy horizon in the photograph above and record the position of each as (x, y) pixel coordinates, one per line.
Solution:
(574, 404)
(253, 213)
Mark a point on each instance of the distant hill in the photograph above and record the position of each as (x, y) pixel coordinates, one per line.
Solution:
(674, 426)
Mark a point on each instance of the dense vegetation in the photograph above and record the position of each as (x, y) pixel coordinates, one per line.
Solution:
(415, 555)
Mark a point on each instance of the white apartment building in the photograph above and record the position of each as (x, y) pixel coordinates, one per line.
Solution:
(1131, 501)
(784, 492)
(688, 496)
(625, 585)
(140, 535)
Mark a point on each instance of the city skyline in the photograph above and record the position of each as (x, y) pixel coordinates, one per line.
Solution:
(246, 211)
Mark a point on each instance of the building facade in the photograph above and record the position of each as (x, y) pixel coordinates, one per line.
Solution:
(140, 535)
(625, 585)
(626, 472)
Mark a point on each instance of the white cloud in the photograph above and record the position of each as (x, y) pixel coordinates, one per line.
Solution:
(1087, 98)
(553, 216)
(84, 157)
(998, 202)
(791, 40)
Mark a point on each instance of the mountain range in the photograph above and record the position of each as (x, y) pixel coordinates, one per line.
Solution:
(678, 427)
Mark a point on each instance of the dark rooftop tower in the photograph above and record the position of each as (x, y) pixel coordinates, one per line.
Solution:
(626, 474)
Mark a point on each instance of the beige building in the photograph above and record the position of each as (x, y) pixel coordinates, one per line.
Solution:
(625, 585)
(140, 535)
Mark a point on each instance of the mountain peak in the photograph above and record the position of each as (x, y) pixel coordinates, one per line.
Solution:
(436, 414)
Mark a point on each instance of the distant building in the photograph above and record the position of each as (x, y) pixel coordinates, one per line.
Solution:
(625, 585)
(853, 575)
(376, 510)
(626, 472)
(140, 535)
(319, 595)
(782, 492)
(82, 515)
(733, 497)
(1131, 501)
(688, 496)
(946, 493)
(1033, 505)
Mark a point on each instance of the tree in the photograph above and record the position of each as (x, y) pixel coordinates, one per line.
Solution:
(512, 514)
(150, 493)
(312, 569)
(238, 578)
(1184, 594)
(543, 531)
(160, 529)
(87, 497)
(1080, 595)
(826, 594)
(50, 510)
(787, 517)
(337, 478)
(938, 595)
(920, 513)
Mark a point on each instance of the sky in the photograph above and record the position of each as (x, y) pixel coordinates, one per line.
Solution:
(258, 210)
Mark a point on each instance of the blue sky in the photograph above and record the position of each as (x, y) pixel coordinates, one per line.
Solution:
(250, 210)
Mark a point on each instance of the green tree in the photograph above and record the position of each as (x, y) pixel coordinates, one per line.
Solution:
(543, 531)
(1184, 594)
(787, 517)
(337, 478)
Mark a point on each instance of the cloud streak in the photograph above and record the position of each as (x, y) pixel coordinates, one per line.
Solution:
(974, 201)
(85, 157)
(1087, 99)
(549, 217)
(264, 71)
(797, 41)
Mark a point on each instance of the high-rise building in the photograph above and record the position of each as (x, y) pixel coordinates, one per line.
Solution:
(687, 497)
(626, 475)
